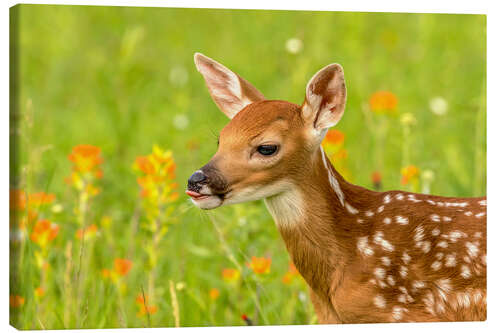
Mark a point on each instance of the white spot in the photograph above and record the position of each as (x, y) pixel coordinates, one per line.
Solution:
(479, 215)
(426, 246)
(467, 259)
(435, 218)
(450, 260)
(440, 204)
(456, 204)
(472, 249)
(468, 213)
(435, 232)
(482, 202)
(386, 261)
(379, 273)
(418, 284)
(402, 298)
(397, 312)
(351, 209)
(380, 209)
(429, 302)
(444, 287)
(446, 219)
(360, 221)
(483, 259)
(439, 255)
(369, 213)
(387, 199)
(411, 197)
(399, 196)
(387, 220)
(403, 271)
(478, 234)
(406, 258)
(379, 301)
(379, 240)
(419, 233)
(363, 246)
(465, 272)
(432, 202)
(442, 244)
(454, 235)
(390, 280)
(436, 265)
(331, 177)
(401, 220)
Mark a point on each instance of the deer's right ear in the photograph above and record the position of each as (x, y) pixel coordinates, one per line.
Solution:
(325, 98)
(229, 91)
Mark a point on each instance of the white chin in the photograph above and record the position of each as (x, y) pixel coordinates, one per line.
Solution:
(208, 202)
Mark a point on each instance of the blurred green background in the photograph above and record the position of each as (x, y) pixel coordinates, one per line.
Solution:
(123, 79)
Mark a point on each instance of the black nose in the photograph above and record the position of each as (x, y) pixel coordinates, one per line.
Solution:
(195, 180)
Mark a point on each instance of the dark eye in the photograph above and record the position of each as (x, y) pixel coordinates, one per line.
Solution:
(267, 150)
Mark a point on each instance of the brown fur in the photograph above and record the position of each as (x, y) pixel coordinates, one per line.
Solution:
(427, 264)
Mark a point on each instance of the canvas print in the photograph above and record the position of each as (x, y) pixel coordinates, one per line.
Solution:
(178, 167)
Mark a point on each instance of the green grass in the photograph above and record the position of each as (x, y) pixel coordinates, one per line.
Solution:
(118, 78)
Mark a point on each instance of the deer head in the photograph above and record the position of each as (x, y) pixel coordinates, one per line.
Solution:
(268, 145)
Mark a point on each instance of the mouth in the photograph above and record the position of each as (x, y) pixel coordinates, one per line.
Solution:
(197, 196)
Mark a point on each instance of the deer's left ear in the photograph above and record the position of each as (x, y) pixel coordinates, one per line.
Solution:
(325, 97)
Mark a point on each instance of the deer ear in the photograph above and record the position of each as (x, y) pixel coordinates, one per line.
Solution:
(325, 97)
(230, 92)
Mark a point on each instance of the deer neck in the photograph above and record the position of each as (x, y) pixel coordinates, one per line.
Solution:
(312, 217)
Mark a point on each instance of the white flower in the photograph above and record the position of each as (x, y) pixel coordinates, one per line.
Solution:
(178, 76)
(294, 45)
(181, 121)
(438, 106)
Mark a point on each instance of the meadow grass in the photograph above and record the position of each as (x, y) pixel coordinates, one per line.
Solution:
(123, 79)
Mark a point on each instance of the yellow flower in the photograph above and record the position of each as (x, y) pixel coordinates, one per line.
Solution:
(409, 174)
(230, 274)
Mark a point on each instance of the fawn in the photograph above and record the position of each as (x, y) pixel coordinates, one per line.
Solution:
(367, 256)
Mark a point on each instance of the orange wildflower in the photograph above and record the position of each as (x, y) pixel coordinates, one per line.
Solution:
(156, 173)
(85, 158)
(143, 164)
(376, 180)
(106, 273)
(383, 102)
(409, 174)
(335, 137)
(90, 231)
(291, 274)
(260, 265)
(214, 294)
(122, 266)
(17, 199)
(230, 274)
(43, 232)
(16, 301)
(40, 198)
(144, 308)
(39, 292)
